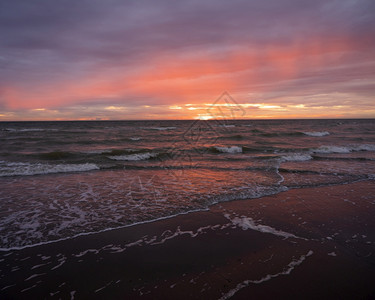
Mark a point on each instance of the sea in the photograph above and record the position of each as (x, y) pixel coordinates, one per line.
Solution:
(62, 179)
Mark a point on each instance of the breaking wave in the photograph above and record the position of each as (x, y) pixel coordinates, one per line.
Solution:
(24, 169)
(231, 149)
(344, 149)
(296, 157)
(135, 156)
(317, 133)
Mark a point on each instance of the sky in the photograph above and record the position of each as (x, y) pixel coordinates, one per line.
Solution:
(169, 59)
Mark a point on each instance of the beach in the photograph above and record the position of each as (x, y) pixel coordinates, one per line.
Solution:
(187, 209)
(187, 150)
(310, 243)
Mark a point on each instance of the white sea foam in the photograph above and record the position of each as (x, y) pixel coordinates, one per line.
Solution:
(24, 129)
(29, 129)
(364, 147)
(135, 138)
(156, 240)
(99, 203)
(167, 235)
(105, 151)
(7, 287)
(159, 128)
(103, 287)
(287, 270)
(296, 157)
(92, 209)
(332, 149)
(134, 157)
(317, 133)
(19, 168)
(248, 223)
(232, 149)
(344, 149)
(33, 276)
(61, 261)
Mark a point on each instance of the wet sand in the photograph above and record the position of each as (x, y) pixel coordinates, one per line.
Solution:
(311, 243)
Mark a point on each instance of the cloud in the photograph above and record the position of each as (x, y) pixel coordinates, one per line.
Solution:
(133, 53)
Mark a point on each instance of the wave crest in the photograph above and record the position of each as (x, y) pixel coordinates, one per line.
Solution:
(159, 128)
(231, 149)
(26, 169)
(134, 157)
(317, 133)
(296, 157)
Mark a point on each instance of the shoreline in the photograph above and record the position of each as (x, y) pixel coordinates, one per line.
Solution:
(20, 248)
(234, 248)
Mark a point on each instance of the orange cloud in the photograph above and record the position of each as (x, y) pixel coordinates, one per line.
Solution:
(194, 77)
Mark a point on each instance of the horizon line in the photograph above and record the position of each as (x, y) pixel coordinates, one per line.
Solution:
(142, 120)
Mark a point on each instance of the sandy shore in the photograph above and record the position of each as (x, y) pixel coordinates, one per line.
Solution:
(311, 243)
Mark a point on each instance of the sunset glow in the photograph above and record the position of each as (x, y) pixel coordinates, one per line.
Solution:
(168, 60)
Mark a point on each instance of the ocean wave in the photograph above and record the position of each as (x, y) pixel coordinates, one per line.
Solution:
(135, 138)
(279, 134)
(28, 129)
(231, 149)
(134, 157)
(365, 147)
(332, 149)
(137, 243)
(296, 157)
(55, 155)
(159, 128)
(343, 149)
(233, 137)
(105, 151)
(227, 126)
(117, 152)
(72, 217)
(26, 169)
(317, 133)
(293, 133)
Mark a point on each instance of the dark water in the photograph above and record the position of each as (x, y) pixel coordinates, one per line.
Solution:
(62, 179)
